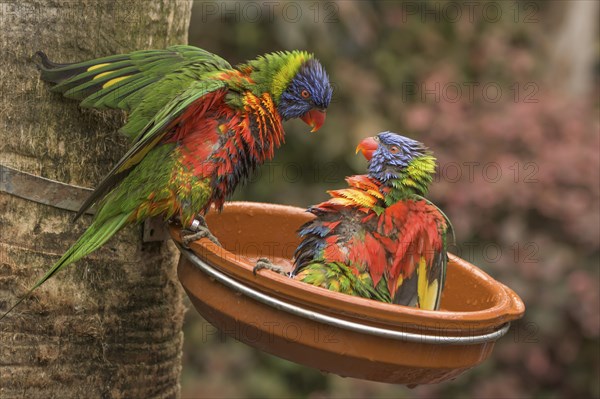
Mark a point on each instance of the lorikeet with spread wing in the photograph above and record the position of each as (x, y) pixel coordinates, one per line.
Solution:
(380, 238)
(199, 127)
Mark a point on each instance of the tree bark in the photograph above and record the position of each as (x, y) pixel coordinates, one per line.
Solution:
(574, 52)
(111, 324)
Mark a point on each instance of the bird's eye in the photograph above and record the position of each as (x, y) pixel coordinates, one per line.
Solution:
(305, 94)
(394, 149)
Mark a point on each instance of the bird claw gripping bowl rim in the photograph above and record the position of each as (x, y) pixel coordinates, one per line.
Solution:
(333, 332)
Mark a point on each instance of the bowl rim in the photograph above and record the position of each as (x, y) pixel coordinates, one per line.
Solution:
(337, 322)
(508, 307)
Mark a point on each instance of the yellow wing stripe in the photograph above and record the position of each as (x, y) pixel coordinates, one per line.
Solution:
(113, 81)
(102, 74)
(97, 66)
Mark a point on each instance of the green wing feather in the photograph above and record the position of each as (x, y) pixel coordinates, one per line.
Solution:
(150, 136)
(141, 82)
(336, 276)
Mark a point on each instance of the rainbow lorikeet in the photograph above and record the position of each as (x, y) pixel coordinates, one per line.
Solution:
(380, 238)
(199, 127)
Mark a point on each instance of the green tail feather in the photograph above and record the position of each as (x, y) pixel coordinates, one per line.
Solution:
(93, 238)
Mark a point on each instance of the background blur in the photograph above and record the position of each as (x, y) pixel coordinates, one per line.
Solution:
(506, 95)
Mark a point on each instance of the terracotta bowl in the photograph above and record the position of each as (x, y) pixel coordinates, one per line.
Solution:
(332, 332)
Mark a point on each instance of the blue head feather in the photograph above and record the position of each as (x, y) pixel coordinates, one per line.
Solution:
(387, 163)
(312, 78)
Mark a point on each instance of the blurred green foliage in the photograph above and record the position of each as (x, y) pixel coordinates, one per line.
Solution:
(519, 173)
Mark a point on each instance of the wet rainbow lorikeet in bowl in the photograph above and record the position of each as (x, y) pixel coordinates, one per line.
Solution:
(379, 238)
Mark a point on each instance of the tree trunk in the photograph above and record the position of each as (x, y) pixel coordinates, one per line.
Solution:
(574, 52)
(110, 325)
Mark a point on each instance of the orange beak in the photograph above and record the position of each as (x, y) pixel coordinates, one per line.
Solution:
(368, 146)
(314, 118)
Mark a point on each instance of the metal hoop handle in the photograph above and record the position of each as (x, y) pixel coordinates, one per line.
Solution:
(334, 321)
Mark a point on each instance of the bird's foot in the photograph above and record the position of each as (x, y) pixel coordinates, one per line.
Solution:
(197, 230)
(264, 263)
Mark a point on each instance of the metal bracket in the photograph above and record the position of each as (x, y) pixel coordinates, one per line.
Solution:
(43, 191)
(155, 229)
(63, 196)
